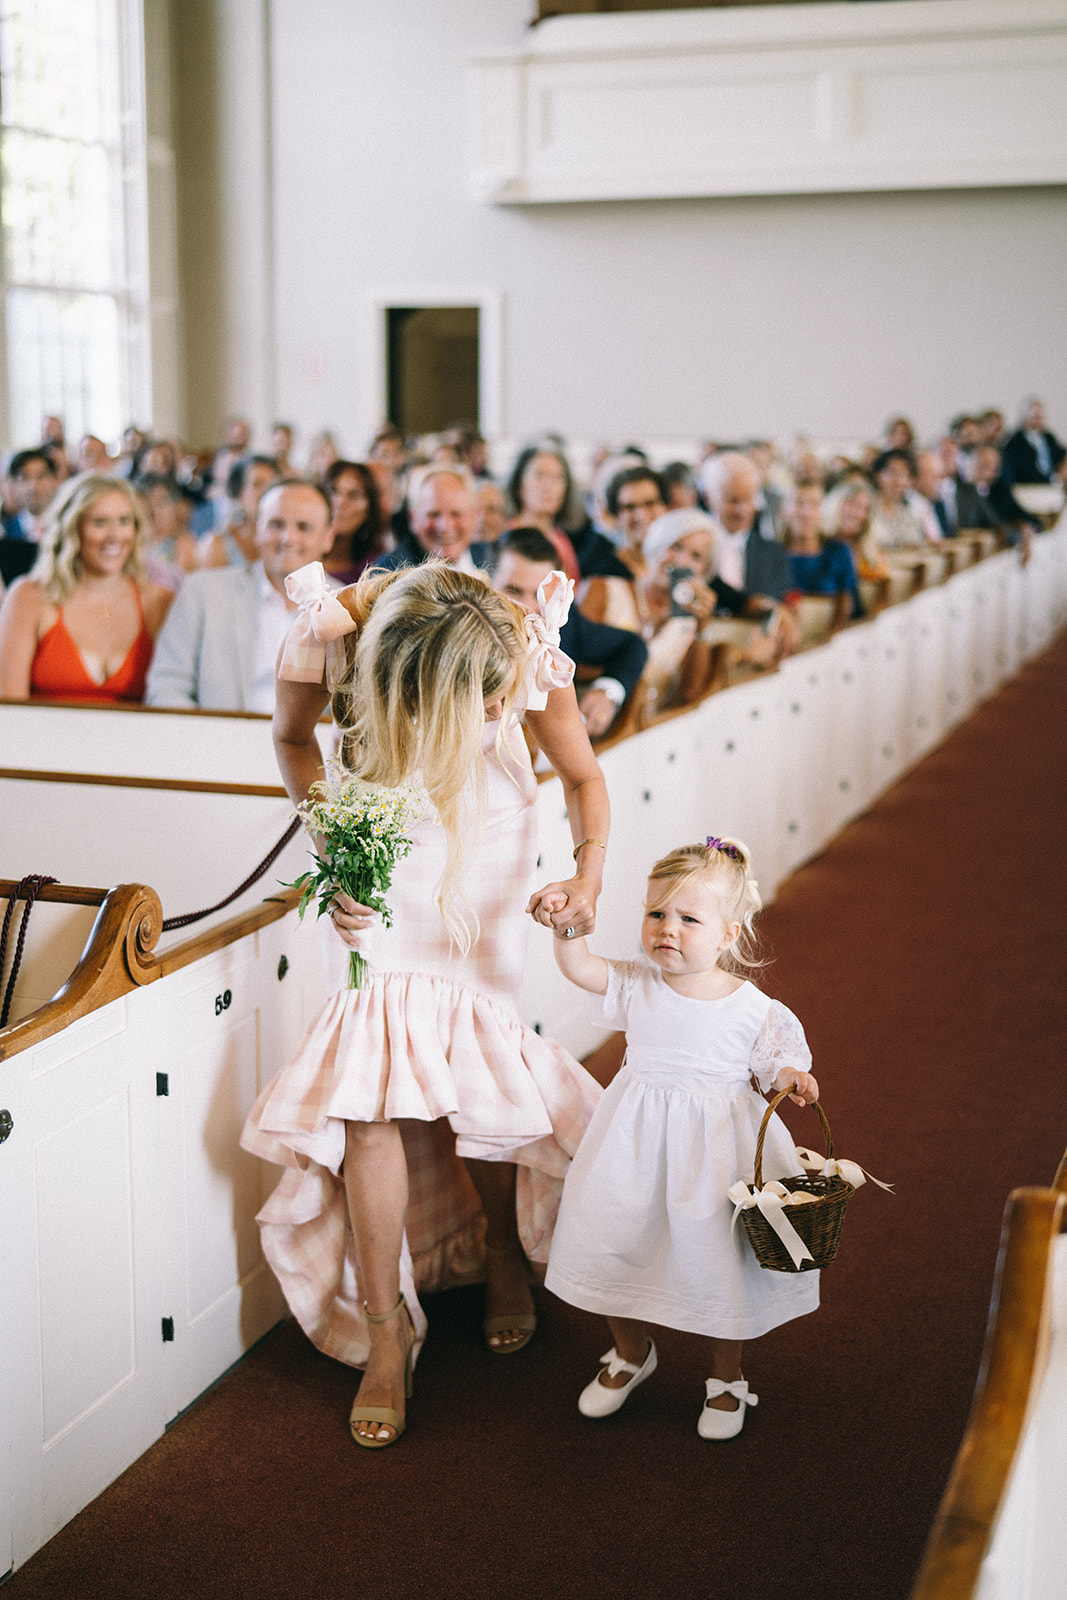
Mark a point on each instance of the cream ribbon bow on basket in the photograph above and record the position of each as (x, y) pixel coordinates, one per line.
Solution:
(321, 622)
(851, 1171)
(774, 1197)
(546, 665)
(771, 1200)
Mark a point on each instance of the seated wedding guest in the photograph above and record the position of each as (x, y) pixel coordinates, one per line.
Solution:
(1032, 454)
(221, 640)
(389, 447)
(134, 440)
(895, 524)
(634, 498)
(492, 512)
(444, 515)
(966, 432)
(925, 495)
(322, 453)
(680, 486)
(849, 519)
(540, 490)
(991, 424)
(747, 559)
(92, 455)
(899, 434)
(281, 448)
(234, 544)
(675, 597)
(81, 626)
(31, 482)
(987, 501)
(818, 565)
(172, 550)
(519, 562)
(356, 521)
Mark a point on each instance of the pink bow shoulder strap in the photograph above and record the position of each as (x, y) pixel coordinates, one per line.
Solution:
(321, 621)
(547, 667)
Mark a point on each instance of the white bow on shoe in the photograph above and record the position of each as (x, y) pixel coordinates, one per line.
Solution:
(596, 1400)
(714, 1424)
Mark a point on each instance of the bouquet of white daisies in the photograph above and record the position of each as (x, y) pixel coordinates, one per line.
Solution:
(365, 831)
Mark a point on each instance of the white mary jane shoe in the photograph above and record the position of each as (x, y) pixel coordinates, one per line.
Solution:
(596, 1400)
(715, 1424)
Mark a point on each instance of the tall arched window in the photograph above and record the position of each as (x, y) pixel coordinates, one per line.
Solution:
(75, 302)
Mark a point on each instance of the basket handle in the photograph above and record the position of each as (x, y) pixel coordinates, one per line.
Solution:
(758, 1172)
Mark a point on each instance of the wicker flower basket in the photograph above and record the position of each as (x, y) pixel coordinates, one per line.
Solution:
(817, 1221)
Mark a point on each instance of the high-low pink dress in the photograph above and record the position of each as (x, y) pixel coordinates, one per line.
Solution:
(434, 1040)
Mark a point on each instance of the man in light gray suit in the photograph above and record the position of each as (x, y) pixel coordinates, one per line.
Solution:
(219, 644)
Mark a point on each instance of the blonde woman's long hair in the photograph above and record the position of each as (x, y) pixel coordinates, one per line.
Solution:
(729, 872)
(58, 567)
(432, 645)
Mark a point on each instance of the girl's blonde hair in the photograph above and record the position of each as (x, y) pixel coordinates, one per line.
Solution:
(59, 564)
(432, 645)
(726, 866)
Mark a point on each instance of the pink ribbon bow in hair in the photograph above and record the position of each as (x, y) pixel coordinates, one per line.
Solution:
(321, 620)
(546, 665)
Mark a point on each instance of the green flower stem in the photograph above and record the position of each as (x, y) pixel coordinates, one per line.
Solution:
(357, 969)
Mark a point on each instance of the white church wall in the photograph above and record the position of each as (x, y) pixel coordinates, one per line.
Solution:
(662, 318)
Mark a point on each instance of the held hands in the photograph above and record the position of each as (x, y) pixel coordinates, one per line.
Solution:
(805, 1091)
(571, 904)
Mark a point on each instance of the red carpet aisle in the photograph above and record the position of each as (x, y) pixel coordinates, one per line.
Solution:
(925, 953)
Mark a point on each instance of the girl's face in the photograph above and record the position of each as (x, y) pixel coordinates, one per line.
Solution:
(544, 486)
(106, 534)
(686, 933)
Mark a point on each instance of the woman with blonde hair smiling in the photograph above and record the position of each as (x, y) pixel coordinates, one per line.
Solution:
(83, 623)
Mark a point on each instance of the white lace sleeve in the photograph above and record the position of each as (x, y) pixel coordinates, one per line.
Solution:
(622, 976)
(779, 1043)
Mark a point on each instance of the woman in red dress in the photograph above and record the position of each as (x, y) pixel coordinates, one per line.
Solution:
(83, 623)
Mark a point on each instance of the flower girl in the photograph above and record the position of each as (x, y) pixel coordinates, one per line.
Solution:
(644, 1231)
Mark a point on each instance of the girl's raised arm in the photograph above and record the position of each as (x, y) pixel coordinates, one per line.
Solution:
(577, 963)
(560, 731)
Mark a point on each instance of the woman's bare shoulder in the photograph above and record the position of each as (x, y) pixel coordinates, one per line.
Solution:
(26, 600)
(156, 601)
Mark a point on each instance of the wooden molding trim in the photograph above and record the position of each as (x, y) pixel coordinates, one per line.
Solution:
(263, 791)
(1012, 1363)
(118, 957)
(66, 894)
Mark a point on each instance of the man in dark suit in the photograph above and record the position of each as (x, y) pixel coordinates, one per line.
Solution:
(747, 559)
(1033, 455)
(32, 481)
(518, 563)
(987, 501)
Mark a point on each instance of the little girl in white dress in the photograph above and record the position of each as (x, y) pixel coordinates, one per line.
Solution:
(644, 1230)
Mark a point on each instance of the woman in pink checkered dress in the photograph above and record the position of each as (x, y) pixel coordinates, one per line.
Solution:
(424, 1129)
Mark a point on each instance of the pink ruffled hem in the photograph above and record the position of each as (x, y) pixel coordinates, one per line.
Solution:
(465, 1079)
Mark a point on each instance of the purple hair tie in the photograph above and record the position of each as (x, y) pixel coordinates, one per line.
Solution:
(730, 850)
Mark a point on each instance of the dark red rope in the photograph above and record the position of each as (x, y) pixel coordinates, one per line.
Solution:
(196, 916)
(28, 889)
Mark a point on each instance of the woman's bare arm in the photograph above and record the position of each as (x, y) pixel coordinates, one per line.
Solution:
(22, 615)
(297, 709)
(561, 733)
